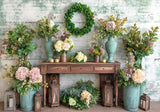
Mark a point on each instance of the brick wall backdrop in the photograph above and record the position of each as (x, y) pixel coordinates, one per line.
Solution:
(143, 12)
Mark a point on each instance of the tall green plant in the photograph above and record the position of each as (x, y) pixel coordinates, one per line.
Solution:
(140, 44)
(20, 43)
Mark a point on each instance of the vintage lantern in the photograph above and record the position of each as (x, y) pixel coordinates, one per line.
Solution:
(144, 102)
(9, 100)
(107, 94)
(53, 94)
(37, 102)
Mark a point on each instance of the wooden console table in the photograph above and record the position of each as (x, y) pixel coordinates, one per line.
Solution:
(88, 67)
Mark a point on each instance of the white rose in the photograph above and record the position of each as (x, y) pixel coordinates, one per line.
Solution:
(51, 24)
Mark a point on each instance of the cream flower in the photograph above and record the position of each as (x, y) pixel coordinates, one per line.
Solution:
(58, 45)
(65, 46)
(39, 80)
(86, 95)
(72, 102)
(51, 24)
(139, 76)
(80, 56)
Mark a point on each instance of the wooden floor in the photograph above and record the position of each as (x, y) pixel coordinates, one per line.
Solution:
(155, 107)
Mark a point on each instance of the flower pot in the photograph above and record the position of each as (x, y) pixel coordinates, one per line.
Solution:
(111, 46)
(27, 101)
(49, 48)
(63, 57)
(96, 58)
(131, 97)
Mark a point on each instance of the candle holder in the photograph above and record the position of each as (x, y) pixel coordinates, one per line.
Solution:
(144, 102)
(37, 102)
(107, 94)
(53, 93)
(9, 101)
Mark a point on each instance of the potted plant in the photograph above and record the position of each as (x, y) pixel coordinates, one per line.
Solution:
(63, 45)
(26, 83)
(110, 28)
(96, 51)
(139, 45)
(131, 80)
(20, 43)
(47, 29)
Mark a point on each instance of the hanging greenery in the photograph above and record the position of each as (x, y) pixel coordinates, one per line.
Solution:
(81, 8)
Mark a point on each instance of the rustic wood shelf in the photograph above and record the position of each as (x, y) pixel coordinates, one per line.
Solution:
(89, 67)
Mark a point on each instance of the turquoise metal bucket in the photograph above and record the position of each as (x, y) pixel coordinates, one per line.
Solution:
(27, 101)
(131, 96)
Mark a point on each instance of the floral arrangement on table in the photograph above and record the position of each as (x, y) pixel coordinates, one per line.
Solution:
(79, 57)
(96, 49)
(20, 42)
(25, 79)
(81, 96)
(130, 76)
(111, 27)
(140, 45)
(64, 45)
(46, 28)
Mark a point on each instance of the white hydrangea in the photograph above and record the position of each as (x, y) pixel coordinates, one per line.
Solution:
(58, 45)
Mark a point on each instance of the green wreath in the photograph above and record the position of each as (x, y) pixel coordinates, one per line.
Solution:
(81, 8)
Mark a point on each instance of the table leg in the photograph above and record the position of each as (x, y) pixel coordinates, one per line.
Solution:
(44, 91)
(116, 90)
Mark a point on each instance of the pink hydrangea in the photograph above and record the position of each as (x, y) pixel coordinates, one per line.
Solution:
(65, 46)
(91, 50)
(94, 44)
(34, 74)
(22, 73)
(110, 25)
(102, 51)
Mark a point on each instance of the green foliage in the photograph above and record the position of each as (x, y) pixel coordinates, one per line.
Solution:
(140, 45)
(46, 28)
(117, 30)
(75, 93)
(19, 41)
(81, 8)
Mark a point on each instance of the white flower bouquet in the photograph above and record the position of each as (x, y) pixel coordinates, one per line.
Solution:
(79, 57)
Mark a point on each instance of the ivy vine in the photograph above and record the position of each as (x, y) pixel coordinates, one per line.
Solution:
(81, 8)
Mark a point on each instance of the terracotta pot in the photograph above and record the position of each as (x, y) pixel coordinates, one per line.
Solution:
(96, 58)
(63, 57)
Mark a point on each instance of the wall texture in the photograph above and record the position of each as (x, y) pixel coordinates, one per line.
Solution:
(143, 12)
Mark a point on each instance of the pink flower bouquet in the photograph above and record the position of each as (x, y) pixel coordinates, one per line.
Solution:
(96, 49)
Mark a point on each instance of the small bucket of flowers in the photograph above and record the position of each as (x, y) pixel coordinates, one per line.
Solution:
(79, 57)
(96, 51)
(131, 80)
(25, 82)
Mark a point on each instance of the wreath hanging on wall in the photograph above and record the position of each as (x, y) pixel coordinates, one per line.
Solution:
(81, 8)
